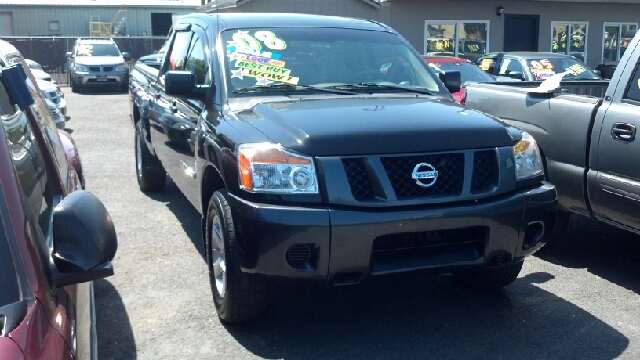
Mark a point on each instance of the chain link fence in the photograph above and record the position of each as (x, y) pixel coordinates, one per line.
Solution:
(50, 51)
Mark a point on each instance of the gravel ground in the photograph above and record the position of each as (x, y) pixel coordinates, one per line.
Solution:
(578, 299)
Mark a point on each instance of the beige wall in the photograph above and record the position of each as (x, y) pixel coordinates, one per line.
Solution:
(408, 17)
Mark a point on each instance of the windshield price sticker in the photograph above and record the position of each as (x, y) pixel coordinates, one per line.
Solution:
(542, 74)
(252, 61)
(576, 69)
(486, 64)
(541, 64)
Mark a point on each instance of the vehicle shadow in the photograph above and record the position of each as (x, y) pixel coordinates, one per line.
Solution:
(606, 251)
(115, 335)
(186, 214)
(107, 90)
(428, 318)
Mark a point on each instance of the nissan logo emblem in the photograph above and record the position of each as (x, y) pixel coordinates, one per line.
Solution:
(424, 174)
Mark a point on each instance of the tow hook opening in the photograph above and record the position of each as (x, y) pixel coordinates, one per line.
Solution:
(533, 235)
(347, 278)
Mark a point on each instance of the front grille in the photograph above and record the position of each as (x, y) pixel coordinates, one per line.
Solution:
(359, 181)
(485, 171)
(406, 251)
(53, 96)
(94, 68)
(108, 68)
(450, 168)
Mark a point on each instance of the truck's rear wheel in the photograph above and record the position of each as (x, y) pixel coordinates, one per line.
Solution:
(149, 171)
(491, 278)
(238, 297)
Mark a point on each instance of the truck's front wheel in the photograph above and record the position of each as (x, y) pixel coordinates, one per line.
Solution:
(149, 171)
(491, 278)
(238, 297)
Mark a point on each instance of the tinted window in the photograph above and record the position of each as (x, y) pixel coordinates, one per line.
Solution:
(29, 162)
(179, 51)
(468, 71)
(510, 66)
(196, 61)
(633, 88)
(321, 56)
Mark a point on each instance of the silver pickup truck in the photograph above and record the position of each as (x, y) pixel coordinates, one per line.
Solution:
(589, 146)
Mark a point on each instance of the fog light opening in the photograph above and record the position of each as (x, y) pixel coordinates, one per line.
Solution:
(533, 235)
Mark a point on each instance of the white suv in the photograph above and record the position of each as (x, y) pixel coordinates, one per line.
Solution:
(97, 62)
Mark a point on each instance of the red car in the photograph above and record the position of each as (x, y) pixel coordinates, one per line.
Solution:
(469, 72)
(55, 238)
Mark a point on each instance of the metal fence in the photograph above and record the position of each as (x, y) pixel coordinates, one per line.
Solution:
(50, 51)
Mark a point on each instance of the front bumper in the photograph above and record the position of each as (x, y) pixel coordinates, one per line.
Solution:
(344, 243)
(101, 78)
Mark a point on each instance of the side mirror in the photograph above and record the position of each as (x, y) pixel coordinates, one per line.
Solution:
(514, 75)
(68, 55)
(84, 240)
(179, 82)
(452, 80)
(126, 56)
(598, 73)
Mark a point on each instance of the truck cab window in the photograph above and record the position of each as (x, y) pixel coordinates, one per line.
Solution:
(197, 62)
(178, 52)
(633, 88)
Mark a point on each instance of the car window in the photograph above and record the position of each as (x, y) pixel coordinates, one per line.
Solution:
(196, 61)
(88, 49)
(179, 51)
(545, 67)
(510, 66)
(29, 161)
(321, 57)
(468, 71)
(633, 88)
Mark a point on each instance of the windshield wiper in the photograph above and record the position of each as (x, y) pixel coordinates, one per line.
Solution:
(290, 88)
(373, 86)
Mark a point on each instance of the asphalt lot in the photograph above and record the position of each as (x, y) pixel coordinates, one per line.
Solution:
(579, 299)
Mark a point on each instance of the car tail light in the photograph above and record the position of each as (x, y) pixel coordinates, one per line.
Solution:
(463, 98)
(60, 92)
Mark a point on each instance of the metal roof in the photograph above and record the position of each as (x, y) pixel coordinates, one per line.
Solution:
(212, 5)
(118, 3)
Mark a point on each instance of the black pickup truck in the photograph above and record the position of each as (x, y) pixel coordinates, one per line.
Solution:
(325, 149)
(588, 143)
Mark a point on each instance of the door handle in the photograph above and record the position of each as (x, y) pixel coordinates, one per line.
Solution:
(623, 131)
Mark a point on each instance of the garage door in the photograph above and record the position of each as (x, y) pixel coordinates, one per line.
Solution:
(6, 24)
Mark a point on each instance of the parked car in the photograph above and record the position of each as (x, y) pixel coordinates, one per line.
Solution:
(55, 238)
(469, 72)
(607, 69)
(154, 60)
(53, 93)
(535, 66)
(589, 145)
(38, 72)
(324, 149)
(97, 62)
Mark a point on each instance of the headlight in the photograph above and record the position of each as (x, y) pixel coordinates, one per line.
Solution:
(528, 160)
(268, 167)
(81, 67)
(122, 67)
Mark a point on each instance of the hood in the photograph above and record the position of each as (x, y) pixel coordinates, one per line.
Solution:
(375, 125)
(40, 74)
(45, 85)
(99, 60)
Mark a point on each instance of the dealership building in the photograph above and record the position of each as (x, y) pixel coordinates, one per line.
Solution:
(593, 30)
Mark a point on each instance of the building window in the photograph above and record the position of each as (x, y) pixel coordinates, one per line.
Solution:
(569, 38)
(54, 26)
(616, 38)
(471, 37)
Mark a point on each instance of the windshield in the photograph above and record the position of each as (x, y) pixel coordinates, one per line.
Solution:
(97, 50)
(542, 68)
(258, 59)
(468, 71)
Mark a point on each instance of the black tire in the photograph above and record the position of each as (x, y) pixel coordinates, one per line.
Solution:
(74, 87)
(149, 171)
(238, 297)
(492, 278)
